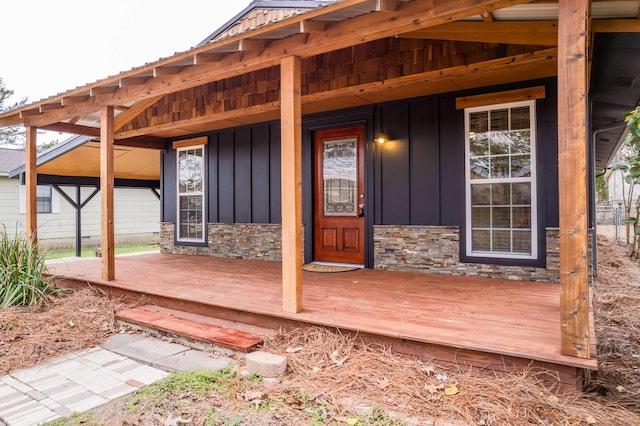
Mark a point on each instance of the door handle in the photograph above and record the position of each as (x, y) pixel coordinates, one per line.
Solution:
(361, 207)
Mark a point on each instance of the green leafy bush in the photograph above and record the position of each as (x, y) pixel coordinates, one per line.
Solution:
(21, 272)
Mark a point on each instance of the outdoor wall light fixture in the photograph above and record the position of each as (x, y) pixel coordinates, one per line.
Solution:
(381, 138)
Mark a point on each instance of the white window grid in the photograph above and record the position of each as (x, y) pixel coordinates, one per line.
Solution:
(190, 192)
(530, 179)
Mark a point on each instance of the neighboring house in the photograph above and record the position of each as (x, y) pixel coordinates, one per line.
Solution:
(138, 222)
(399, 135)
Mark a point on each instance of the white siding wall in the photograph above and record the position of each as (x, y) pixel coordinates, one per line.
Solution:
(137, 215)
(10, 218)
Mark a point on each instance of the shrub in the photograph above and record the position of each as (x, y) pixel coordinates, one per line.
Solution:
(21, 268)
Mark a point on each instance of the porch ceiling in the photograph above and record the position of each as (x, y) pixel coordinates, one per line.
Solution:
(80, 157)
(339, 25)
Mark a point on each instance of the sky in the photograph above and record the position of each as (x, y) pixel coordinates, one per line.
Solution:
(51, 46)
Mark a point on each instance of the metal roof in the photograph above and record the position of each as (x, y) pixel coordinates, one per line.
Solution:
(608, 48)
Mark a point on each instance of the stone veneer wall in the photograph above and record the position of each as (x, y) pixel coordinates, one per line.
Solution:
(435, 249)
(237, 241)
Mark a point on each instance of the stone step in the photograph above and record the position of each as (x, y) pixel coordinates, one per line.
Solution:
(190, 326)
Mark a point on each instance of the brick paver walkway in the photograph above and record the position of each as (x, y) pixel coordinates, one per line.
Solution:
(74, 383)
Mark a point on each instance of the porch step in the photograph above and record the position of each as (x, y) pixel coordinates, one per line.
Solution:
(191, 326)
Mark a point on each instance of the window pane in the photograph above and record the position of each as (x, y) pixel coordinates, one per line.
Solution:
(43, 199)
(481, 240)
(501, 241)
(520, 166)
(191, 226)
(522, 217)
(479, 144)
(190, 165)
(499, 167)
(501, 217)
(499, 120)
(501, 194)
(340, 178)
(522, 193)
(479, 122)
(479, 168)
(480, 195)
(500, 142)
(520, 118)
(481, 217)
(522, 242)
(520, 141)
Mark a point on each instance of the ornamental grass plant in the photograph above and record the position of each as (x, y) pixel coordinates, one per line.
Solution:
(22, 265)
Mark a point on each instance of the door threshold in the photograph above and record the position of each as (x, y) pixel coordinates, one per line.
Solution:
(352, 265)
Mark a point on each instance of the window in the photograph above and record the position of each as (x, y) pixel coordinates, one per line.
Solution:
(500, 181)
(43, 199)
(190, 174)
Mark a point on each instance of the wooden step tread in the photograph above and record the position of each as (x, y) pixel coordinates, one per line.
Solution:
(199, 331)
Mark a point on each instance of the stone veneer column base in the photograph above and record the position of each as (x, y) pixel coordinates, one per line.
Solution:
(236, 241)
(436, 249)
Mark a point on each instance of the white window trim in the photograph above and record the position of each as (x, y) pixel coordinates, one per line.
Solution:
(534, 201)
(201, 193)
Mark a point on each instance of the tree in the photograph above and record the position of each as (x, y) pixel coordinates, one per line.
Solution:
(14, 135)
(631, 167)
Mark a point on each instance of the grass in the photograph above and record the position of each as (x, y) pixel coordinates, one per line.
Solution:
(90, 252)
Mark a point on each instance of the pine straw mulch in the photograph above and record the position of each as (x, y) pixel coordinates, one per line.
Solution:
(616, 300)
(340, 377)
(71, 321)
(349, 377)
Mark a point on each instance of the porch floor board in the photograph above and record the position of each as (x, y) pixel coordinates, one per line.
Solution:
(512, 318)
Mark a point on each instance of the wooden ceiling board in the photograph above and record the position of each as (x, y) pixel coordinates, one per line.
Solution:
(130, 163)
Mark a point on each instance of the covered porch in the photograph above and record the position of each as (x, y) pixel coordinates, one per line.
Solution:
(486, 323)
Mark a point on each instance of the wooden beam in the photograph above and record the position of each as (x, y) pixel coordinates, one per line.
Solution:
(74, 129)
(615, 26)
(30, 112)
(525, 94)
(487, 16)
(128, 115)
(132, 81)
(308, 26)
(183, 143)
(511, 68)
(543, 33)
(410, 16)
(167, 71)
(102, 90)
(386, 5)
(51, 106)
(143, 141)
(573, 37)
(76, 99)
(291, 174)
(31, 182)
(106, 189)
(250, 44)
(207, 58)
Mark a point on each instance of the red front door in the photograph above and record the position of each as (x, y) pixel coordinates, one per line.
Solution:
(339, 195)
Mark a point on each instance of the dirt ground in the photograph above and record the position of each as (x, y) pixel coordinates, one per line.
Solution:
(334, 379)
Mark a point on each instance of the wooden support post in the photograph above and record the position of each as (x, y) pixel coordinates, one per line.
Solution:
(291, 173)
(573, 39)
(31, 182)
(106, 187)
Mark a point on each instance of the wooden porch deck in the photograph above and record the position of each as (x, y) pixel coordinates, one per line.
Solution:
(499, 324)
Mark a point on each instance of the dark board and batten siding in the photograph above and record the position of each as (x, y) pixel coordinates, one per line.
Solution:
(243, 176)
(417, 178)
